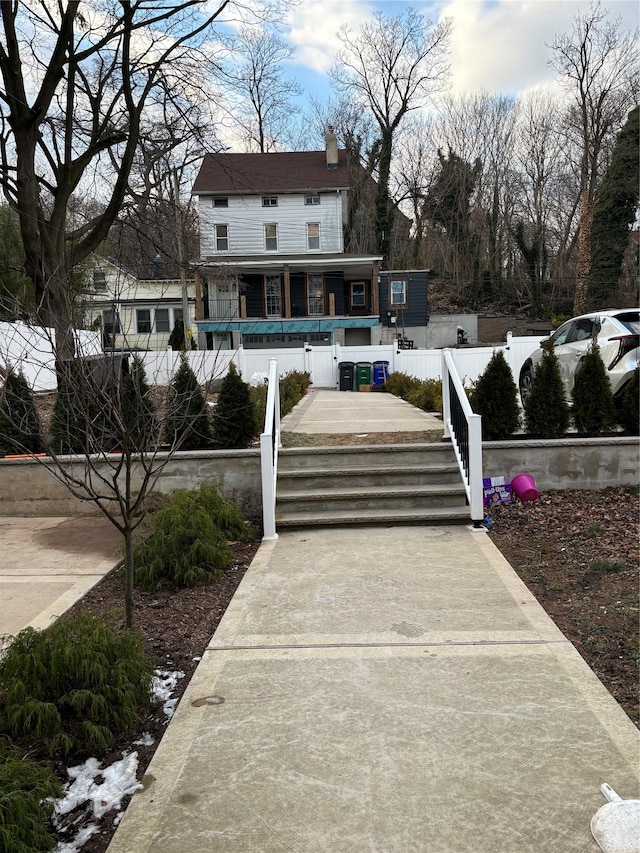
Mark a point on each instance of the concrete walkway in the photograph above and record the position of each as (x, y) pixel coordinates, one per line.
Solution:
(47, 564)
(384, 691)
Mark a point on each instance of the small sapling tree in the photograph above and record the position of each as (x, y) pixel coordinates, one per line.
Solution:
(495, 398)
(187, 419)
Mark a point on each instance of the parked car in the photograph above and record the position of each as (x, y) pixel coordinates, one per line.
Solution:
(617, 332)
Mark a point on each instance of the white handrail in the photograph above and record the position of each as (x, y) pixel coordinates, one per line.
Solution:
(269, 446)
(465, 432)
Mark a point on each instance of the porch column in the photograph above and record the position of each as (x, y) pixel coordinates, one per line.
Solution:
(375, 289)
(198, 288)
(243, 307)
(287, 292)
(332, 304)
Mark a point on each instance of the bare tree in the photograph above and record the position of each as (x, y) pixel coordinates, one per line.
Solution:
(598, 64)
(79, 79)
(254, 73)
(390, 68)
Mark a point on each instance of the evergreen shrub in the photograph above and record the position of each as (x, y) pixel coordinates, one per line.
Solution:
(235, 423)
(74, 686)
(629, 414)
(187, 423)
(293, 387)
(401, 384)
(27, 791)
(495, 398)
(546, 410)
(427, 395)
(176, 338)
(188, 540)
(593, 407)
(139, 423)
(20, 430)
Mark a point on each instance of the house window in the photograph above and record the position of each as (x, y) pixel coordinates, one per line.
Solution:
(110, 322)
(220, 202)
(398, 296)
(99, 280)
(312, 199)
(315, 295)
(143, 321)
(222, 238)
(273, 295)
(271, 237)
(358, 294)
(270, 201)
(313, 235)
(163, 322)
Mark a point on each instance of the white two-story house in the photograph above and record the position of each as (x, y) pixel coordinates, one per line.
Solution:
(273, 270)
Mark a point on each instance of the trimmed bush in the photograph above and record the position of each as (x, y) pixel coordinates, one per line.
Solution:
(546, 410)
(27, 791)
(188, 540)
(20, 430)
(593, 407)
(293, 387)
(427, 395)
(74, 686)
(495, 398)
(401, 384)
(235, 424)
(176, 338)
(629, 409)
(187, 423)
(138, 412)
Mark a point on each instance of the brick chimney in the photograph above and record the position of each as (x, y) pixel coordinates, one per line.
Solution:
(331, 148)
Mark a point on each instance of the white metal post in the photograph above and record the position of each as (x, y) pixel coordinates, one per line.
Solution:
(446, 399)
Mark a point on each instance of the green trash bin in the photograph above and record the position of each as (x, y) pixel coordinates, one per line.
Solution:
(363, 374)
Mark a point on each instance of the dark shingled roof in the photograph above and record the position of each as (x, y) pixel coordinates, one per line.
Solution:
(290, 171)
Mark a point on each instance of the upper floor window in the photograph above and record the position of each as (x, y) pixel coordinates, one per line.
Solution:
(143, 321)
(313, 235)
(312, 199)
(269, 201)
(221, 237)
(99, 280)
(358, 295)
(156, 320)
(398, 294)
(110, 322)
(220, 201)
(271, 237)
(163, 322)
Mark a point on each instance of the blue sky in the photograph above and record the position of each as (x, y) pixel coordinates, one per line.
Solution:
(497, 45)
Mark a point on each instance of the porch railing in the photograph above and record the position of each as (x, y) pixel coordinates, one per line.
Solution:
(464, 428)
(269, 447)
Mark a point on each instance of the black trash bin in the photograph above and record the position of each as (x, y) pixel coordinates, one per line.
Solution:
(363, 374)
(346, 369)
(380, 375)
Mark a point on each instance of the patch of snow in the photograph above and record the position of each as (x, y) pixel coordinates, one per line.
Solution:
(146, 740)
(79, 841)
(163, 685)
(119, 781)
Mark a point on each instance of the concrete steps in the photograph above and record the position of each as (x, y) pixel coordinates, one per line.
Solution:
(389, 484)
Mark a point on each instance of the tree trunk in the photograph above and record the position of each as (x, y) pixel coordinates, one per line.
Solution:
(128, 575)
(583, 265)
(384, 212)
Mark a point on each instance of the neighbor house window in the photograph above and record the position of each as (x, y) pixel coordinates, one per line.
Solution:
(99, 280)
(315, 295)
(163, 321)
(273, 295)
(398, 293)
(271, 237)
(358, 295)
(143, 321)
(312, 199)
(270, 201)
(222, 238)
(110, 322)
(313, 235)
(221, 202)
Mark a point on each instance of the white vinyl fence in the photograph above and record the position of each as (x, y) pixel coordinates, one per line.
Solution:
(30, 350)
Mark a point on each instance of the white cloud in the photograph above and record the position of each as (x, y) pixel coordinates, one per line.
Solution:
(314, 25)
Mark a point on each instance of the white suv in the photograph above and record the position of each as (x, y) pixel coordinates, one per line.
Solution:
(618, 335)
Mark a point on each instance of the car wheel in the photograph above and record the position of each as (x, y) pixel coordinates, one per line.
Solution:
(526, 380)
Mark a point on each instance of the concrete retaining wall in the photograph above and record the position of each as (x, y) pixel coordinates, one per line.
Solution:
(27, 488)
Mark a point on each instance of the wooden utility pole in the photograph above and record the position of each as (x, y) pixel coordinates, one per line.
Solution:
(186, 319)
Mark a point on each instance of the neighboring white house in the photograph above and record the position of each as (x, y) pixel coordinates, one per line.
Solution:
(133, 313)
